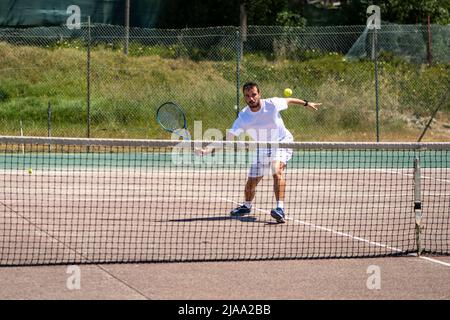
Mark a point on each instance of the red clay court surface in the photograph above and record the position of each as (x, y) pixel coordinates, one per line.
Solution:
(47, 226)
(400, 278)
(125, 216)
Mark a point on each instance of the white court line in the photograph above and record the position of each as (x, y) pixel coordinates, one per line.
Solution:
(349, 236)
(114, 198)
(435, 261)
(330, 230)
(428, 178)
(129, 196)
(411, 175)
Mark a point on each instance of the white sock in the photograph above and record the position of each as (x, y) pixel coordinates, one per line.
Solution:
(248, 204)
(280, 204)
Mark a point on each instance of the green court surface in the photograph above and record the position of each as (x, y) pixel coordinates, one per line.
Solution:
(346, 159)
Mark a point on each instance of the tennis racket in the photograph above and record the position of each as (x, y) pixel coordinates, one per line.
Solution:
(171, 117)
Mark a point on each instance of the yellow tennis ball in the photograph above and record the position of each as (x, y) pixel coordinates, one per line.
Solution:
(30, 171)
(287, 92)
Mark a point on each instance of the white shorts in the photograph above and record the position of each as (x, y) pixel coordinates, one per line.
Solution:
(263, 159)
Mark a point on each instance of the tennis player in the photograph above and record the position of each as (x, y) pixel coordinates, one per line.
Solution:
(262, 121)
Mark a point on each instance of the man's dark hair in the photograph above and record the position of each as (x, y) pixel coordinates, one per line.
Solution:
(249, 85)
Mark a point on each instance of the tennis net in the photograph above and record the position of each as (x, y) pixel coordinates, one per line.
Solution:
(66, 200)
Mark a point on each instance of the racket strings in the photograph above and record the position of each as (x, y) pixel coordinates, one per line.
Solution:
(171, 117)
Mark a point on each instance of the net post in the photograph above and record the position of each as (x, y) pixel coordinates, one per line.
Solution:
(417, 203)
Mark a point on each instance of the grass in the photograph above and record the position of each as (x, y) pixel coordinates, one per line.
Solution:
(126, 91)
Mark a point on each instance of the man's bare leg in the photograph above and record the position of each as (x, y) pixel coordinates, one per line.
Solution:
(249, 193)
(279, 187)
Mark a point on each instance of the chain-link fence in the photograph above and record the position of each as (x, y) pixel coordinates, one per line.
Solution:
(384, 84)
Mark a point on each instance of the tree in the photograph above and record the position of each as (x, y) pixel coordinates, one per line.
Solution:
(289, 19)
(398, 11)
(264, 12)
(198, 13)
(203, 13)
(354, 11)
(416, 11)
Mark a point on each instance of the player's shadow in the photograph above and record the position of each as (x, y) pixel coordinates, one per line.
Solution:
(242, 219)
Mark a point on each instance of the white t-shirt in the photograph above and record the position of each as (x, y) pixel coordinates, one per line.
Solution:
(265, 124)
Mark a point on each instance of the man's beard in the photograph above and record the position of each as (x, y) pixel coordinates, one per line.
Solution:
(254, 106)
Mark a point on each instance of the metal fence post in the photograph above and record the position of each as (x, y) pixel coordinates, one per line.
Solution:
(49, 124)
(127, 27)
(238, 70)
(375, 61)
(429, 47)
(88, 80)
